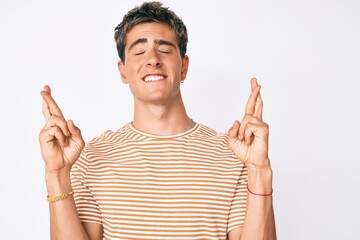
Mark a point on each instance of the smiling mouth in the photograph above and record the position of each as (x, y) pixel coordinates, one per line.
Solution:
(154, 78)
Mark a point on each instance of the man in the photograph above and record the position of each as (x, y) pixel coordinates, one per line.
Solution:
(162, 176)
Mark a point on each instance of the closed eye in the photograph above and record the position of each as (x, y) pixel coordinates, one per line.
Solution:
(165, 51)
(139, 53)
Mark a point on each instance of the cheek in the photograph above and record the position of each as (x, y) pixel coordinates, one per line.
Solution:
(136, 64)
(175, 65)
(131, 68)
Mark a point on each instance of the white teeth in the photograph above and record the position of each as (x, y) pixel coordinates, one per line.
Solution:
(151, 78)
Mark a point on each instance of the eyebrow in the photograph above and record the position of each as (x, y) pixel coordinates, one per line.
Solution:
(164, 42)
(156, 41)
(137, 42)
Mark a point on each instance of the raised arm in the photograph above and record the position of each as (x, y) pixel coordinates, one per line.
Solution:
(249, 141)
(61, 144)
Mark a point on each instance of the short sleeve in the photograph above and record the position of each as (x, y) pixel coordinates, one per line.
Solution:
(85, 202)
(239, 202)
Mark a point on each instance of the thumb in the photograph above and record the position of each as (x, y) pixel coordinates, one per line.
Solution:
(74, 130)
(233, 131)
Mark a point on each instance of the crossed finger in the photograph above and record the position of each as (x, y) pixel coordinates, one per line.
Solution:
(49, 105)
(253, 108)
(254, 105)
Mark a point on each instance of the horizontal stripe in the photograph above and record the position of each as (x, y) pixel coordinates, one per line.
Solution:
(141, 186)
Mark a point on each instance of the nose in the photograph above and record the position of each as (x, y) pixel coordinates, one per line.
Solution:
(153, 59)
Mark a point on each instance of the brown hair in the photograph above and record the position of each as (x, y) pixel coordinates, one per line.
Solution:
(150, 12)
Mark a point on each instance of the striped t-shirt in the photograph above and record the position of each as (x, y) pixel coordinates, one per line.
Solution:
(143, 186)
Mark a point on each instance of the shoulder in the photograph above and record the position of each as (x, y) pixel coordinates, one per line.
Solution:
(101, 145)
(110, 136)
(214, 145)
(205, 135)
(209, 133)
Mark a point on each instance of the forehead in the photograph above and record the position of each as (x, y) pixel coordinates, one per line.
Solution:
(153, 30)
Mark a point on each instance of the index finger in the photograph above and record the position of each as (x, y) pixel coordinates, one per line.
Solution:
(45, 110)
(251, 103)
(258, 107)
(50, 105)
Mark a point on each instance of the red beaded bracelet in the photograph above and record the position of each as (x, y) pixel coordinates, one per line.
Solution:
(257, 194)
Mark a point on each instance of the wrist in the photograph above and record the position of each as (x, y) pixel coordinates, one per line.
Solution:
(58, 182)
(260, 178)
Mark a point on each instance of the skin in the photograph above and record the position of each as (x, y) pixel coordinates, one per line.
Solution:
(61, 143)
(249, 141)
(152, 52)
(158, 105)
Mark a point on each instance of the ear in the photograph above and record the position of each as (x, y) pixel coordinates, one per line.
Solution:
(121, 67)
(184, 67)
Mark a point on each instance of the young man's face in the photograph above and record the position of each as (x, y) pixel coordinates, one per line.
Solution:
(153, 67)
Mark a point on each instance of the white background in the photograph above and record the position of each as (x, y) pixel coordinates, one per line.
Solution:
(306, 55)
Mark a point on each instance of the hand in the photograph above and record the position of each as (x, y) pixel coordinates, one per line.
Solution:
(60, 140)
(249, 139)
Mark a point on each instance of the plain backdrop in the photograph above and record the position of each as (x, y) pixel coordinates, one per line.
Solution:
(305, 54)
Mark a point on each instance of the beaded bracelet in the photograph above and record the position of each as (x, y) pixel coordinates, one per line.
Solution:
(60, 197)
(257, 194)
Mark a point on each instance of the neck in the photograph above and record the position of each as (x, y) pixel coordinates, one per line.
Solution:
(161, 119)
